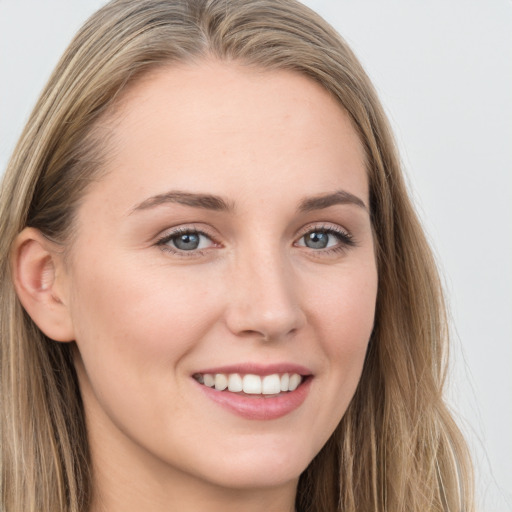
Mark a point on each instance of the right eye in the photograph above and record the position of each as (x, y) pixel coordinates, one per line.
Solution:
(185, 240)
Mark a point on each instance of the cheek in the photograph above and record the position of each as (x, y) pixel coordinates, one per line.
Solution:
(134, 294)
(134, 327)
(344, 318)
(346, 308)
(136, 316)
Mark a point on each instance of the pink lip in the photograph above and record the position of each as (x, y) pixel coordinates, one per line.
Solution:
(259, 407)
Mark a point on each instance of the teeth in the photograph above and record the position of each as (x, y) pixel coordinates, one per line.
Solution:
(235, 383)
(271, 385)
(294, 382)
(285, 379)
(251, 384)
(221, 382)
(209, 380)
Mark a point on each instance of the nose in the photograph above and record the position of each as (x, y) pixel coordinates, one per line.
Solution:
(263, 299)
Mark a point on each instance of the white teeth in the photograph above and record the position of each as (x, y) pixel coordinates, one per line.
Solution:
(221, 382)
(209, 380)
(285, 379)
(251, 384)
(294, 382)
(235, 383)
(271, 384)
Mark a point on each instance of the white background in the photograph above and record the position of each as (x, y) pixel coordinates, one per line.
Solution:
(443, 69)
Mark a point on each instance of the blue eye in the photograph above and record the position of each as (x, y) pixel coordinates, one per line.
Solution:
(186, 241)
(325, 239)
(318, 240)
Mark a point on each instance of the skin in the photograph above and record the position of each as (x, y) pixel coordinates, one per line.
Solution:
(145, 318)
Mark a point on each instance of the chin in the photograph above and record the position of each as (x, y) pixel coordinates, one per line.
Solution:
(257, 478)
(257, 468)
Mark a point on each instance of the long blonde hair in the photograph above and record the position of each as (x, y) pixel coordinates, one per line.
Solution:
(397, 448)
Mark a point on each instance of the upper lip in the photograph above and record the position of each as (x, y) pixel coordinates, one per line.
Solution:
(257, 369)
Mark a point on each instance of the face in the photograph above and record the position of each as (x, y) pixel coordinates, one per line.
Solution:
(228, 244)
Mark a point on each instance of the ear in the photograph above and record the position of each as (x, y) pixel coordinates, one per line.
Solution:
(39, 280)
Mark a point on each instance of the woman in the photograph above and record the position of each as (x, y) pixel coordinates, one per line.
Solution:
(215, 290)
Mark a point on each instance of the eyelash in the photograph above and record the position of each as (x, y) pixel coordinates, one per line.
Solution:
(164, 241)
(345, 240)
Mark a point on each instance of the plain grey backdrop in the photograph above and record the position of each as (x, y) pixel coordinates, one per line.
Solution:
(443, 69)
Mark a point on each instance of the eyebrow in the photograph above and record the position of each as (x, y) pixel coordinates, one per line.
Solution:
(217, 203)
(324, 201)
(205, 201)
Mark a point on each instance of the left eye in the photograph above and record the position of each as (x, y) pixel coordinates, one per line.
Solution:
(320, 239)
(187, 241)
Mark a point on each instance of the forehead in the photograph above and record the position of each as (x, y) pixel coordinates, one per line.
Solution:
(217, 125)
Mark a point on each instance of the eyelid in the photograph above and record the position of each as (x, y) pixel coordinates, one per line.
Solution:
(170, 233)
(324, 226)
(346, 239)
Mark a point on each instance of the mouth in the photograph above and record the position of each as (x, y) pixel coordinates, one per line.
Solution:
(254, 391)
(276, 384)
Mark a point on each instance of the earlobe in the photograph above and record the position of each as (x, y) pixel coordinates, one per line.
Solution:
(38, 279)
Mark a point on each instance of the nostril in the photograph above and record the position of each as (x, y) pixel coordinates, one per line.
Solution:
(264, 305)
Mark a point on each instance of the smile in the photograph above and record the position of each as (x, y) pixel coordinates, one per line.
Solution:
(250, 384)
(254, 391)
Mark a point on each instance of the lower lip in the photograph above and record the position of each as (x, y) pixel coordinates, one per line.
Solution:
(257, 407)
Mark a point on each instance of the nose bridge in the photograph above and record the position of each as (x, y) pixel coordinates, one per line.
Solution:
(264, 298)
